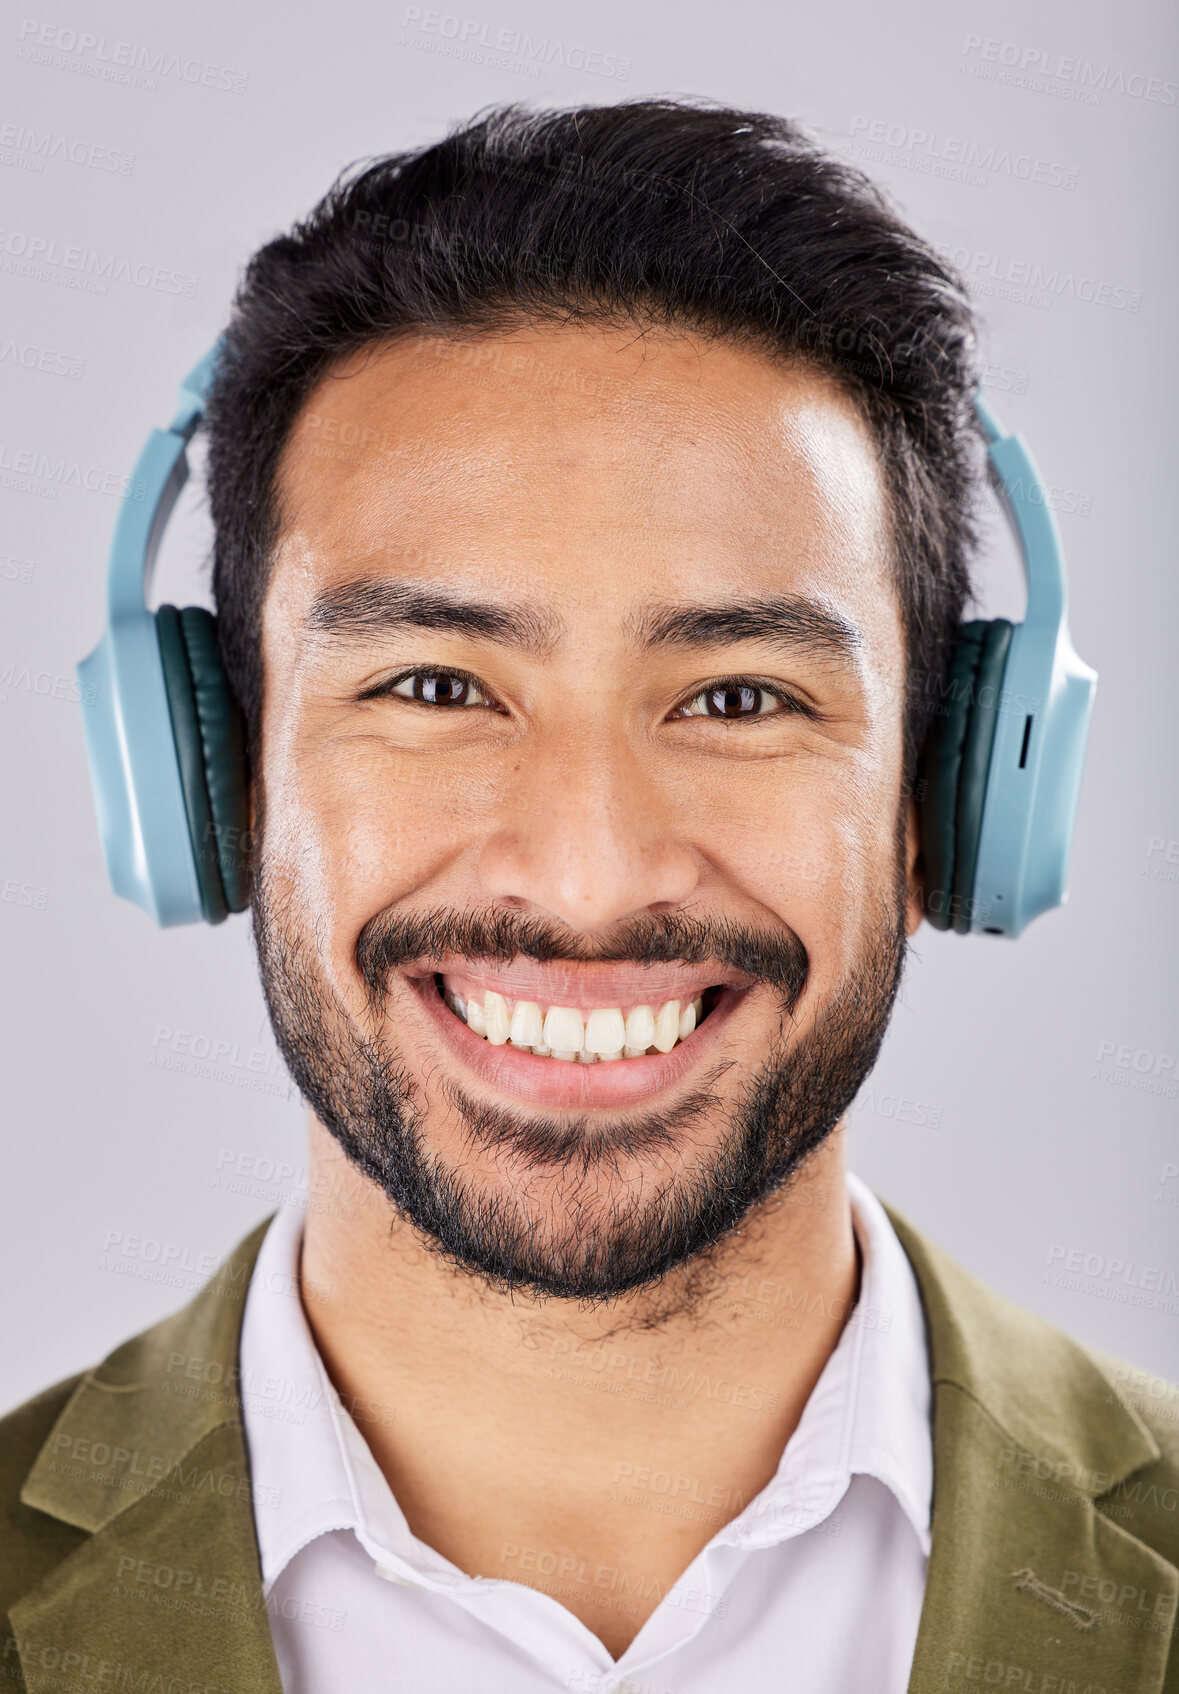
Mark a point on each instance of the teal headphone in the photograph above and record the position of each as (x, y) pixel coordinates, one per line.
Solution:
(1001, 766)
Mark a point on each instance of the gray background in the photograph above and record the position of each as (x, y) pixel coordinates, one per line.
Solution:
(998, 1118)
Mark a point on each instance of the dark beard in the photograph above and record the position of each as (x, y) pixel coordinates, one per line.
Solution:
(596, 1250)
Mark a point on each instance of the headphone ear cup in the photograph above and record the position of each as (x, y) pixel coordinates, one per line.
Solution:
(223, 739)
(956, 763)
(209, 733)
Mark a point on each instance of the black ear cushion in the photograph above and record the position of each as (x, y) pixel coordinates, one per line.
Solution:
(223, 737)
(955, 762)
(976, 765)
(190, 752)
(210, 746)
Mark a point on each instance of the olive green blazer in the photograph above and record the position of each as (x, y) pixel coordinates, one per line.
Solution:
(128, 1559)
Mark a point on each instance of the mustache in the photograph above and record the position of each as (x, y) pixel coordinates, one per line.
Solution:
(393, 939)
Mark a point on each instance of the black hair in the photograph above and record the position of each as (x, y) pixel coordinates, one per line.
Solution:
(680, 214)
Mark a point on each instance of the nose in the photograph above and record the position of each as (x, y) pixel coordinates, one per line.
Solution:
(586, 834)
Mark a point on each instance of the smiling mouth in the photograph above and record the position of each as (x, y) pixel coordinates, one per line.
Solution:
(573, 1034)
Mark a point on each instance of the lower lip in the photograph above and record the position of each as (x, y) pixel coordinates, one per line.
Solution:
(568, 1082)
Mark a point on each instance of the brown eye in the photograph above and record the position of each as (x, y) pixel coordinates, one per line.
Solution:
(738, 699)
(431, 688)
(740, 702)
(442, 688)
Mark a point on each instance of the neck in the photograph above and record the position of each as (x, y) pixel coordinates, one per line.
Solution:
(534, 1440)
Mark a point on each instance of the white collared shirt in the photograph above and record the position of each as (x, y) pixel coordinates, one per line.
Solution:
(816, 1585)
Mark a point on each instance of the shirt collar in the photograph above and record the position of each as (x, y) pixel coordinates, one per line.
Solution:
(295, 1461)
(313, 1472)
(892, 1437)
(869, 1412)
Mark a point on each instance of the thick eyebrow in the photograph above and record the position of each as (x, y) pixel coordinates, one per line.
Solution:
(375, 605)
(792, 623)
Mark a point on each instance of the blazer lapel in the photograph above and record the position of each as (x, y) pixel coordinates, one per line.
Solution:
(1030, 1586)
(149, 1456)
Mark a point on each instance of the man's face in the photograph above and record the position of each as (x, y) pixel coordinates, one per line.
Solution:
(583, 690)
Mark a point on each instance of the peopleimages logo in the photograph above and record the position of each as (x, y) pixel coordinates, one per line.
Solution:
(1029, 282)
(41, 256)
(60, 687)
(43, 470)
(1040, 67)
(1138, 1068)
(504, 49)
(44, 359)
(1111, 1277)
(34, 148)
(959, 153)
(119, 61)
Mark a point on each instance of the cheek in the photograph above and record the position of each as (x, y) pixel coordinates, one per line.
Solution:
(352, 828)
(811, 852)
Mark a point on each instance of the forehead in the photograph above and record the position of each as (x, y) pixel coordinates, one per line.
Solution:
(591, 466)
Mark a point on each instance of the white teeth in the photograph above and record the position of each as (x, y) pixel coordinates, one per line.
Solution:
(527, 1028)
(667, 1027)
(495, 1011)
(563, 1030)
(605, 1031)
(560, 1033)
(640, 1028)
